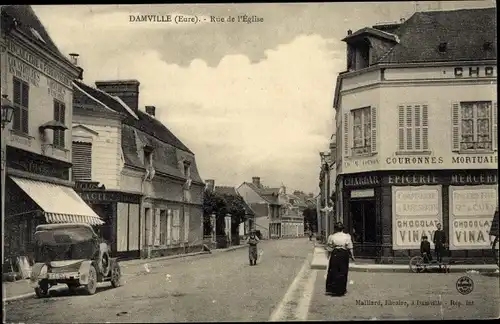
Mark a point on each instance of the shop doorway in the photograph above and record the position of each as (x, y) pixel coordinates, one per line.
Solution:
(105, 212)
(364, 224)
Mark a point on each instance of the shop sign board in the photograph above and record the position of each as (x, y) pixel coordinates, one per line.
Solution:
(416, 210)
(471, 212)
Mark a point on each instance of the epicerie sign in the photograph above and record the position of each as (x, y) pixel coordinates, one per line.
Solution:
(415, 212)
(471, 213)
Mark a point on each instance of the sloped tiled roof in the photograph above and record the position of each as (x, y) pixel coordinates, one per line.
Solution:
(465, 31)
(231, 191)
(26, 19)
(224, 190)
(268, 194)
(136, 133)
(157, 129)
(102, 97)
(165, 155)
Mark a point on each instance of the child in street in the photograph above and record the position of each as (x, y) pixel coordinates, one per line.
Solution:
(425, 249)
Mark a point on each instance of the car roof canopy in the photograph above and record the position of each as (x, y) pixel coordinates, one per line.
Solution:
(60, 234)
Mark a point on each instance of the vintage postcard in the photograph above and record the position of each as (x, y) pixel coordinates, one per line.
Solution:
(332, 161)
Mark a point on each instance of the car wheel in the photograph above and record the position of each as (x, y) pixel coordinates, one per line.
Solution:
(116, 276)
(91, 286)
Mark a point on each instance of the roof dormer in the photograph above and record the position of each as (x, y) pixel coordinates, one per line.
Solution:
(366, 46)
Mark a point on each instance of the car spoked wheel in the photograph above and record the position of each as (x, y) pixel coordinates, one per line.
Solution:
(42, 290)
(91, 286)
(116, 276)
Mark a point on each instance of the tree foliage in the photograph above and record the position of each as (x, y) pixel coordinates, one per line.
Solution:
(220, 206)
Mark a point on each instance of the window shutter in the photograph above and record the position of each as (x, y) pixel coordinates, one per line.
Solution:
(186, 224)
(425, 127)
(25, 103)
(374, 129)
(494, 135)
(401, 128)
(82, 161)
(169, 226)
(347, 142)
(417, 124)
(156, 228)
(409, 128)
(455, 124)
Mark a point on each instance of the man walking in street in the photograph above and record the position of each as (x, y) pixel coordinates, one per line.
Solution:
(439, 241)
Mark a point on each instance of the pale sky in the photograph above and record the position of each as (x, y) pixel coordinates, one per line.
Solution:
(247, 99)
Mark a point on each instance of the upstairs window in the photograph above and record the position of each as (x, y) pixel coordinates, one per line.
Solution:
(186, 169)
(413, 128)
(21, 104)
(360, 131)
(148, 157)
(59, 115)
(474, 126)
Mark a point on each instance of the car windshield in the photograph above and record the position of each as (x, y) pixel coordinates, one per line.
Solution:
(64, 244)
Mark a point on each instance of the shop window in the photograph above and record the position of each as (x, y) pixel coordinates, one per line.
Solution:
(474, 126)
(59, 115)
(21, 104)
(82, 161)
(413, 128)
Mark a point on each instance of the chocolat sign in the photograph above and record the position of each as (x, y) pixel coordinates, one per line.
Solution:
(415, 212)
(471, 212)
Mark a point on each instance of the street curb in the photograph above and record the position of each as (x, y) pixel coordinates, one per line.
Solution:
(319, 262)
(404, 269)
(24, 296)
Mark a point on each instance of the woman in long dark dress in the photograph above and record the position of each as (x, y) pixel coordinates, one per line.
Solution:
(339, 245)
(252, 248)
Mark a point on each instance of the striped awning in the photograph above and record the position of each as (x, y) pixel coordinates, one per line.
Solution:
(60, 204)
(67, 218)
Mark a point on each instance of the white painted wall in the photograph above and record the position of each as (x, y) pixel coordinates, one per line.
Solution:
(437, 87)
(43, 89)
(105, 136)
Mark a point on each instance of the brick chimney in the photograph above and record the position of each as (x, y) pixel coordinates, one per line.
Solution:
(256, 181)
(210, 185)
(126, 90)
(151, 110)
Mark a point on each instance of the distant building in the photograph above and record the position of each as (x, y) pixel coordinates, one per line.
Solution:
(416, 119)
(265, 203)
(292, 206)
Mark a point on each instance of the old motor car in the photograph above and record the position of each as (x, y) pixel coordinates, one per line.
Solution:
(74, 255)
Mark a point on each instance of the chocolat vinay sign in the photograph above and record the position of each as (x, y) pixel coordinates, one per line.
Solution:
(415, 212)
(471, 213)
